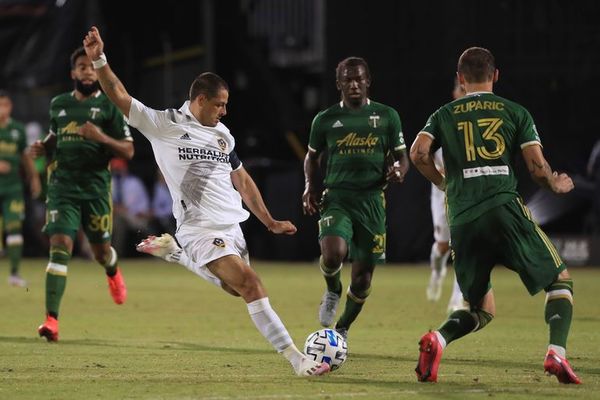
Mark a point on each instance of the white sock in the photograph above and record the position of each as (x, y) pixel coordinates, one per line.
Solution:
(561, 351)
(437, 260)
(441, 339)
(180, 257)
(456, 293)
(269, 325)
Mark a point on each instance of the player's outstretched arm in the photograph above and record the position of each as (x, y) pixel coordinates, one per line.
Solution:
(244, 184)
(310, 197)
(112, 86)
(542, 173)
(420, 155)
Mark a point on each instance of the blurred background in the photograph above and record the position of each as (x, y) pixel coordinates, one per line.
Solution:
(279, 57)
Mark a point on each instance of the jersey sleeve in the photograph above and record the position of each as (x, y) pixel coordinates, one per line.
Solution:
(53, 126)
(316, 140)
(431, 129)
(396, 136)
(528, 134)
(148, 121)
(117, 126)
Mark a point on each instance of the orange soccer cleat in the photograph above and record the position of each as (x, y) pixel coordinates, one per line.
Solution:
(116, 285)
(49, 329)
(430, 354)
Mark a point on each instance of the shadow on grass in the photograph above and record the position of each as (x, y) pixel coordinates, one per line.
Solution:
(162, 345)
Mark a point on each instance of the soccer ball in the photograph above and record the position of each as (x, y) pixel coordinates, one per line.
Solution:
(326, 345)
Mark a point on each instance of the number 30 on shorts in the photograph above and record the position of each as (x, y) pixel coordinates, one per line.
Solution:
(100, 223)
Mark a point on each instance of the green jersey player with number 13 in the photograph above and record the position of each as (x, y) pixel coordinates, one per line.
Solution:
(480, 134)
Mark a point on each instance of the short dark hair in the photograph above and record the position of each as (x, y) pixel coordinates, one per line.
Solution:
(208, 84)
(4, 93)
(477, 65)
(80, 51)
(352, 62)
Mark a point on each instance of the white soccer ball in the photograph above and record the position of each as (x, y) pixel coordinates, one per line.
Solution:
(326, 345)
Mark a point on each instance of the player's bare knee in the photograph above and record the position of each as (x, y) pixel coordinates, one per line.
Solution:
(229, 289)
(250, 287)
(332, 259)
(443, 247)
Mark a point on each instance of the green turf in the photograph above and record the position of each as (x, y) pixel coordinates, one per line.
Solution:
(178, 337)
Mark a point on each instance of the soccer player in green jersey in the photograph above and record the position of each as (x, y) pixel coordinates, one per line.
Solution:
(365, 151)
(480, 135)
(87, 131)
(13, 143)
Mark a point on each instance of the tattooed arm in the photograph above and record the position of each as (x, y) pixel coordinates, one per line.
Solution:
(244, 184)
(111, 85)
(421, 157)
(541, 172)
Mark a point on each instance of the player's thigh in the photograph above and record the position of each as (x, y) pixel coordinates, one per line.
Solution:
(474, 257)
(96, 219)
(234, 272)
(528, 251)
(369, 241)
(13, 211)
(63, 216)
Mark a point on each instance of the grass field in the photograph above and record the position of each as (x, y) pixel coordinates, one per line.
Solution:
(178, 337)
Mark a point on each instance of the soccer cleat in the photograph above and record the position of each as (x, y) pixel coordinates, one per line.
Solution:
(312, 368)
(559, 367)
(343, 332)
(116, 285)
(49, 329)
(159, 246)
(16, 280)
(328, 308)
(430, 354)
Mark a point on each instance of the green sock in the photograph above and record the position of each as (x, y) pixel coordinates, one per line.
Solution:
(463, 322)
(354, 304)
(56, 278)
(559, 311)
(14, 254)
(111, 264)
(332, 277)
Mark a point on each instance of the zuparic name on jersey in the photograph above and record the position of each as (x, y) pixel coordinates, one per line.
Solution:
(478, 105)
(191, 153)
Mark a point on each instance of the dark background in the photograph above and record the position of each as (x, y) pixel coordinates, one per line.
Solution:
(279, 58)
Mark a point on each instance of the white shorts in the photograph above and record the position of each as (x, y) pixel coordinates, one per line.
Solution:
(203, 245)
(441, 231)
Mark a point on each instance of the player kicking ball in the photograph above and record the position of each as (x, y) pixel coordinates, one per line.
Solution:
(206, 179)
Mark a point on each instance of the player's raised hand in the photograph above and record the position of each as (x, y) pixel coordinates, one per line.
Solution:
(37, 149)
(93, 44)
(282, 227)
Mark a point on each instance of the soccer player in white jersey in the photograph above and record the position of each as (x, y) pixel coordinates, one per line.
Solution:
(195, 153)
(440, 250)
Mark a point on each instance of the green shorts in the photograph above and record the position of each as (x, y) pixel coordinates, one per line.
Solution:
(358, 218)
(503, 235)
(12, 211)
(65, 214)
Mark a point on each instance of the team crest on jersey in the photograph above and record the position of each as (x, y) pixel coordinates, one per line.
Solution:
(219, 243)
(374, 121)
(94, 111)
(222, 144)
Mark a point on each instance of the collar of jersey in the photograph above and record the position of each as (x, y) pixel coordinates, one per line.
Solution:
(480, 92)
(185, 108)
(368, 103)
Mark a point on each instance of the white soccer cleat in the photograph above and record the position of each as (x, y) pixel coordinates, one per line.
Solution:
(312, 368)
(16, 280)
(328, 308)
(159, 246)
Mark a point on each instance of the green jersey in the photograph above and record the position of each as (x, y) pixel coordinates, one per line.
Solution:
(356, 143)
(12, 145)
(80, 166)
(480, 135)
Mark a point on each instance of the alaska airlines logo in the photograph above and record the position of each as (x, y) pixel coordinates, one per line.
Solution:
(192, 153)
(353, 140)
(8, 147)
(71, 128)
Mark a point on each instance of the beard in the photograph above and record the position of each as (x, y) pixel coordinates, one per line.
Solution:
(85, 89)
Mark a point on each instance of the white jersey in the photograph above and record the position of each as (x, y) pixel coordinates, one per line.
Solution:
(196, 161)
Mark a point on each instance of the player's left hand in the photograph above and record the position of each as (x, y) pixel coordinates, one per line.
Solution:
(91, 132)
(394, 173)
(93, 44)
(4, 167)
(282, 227)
